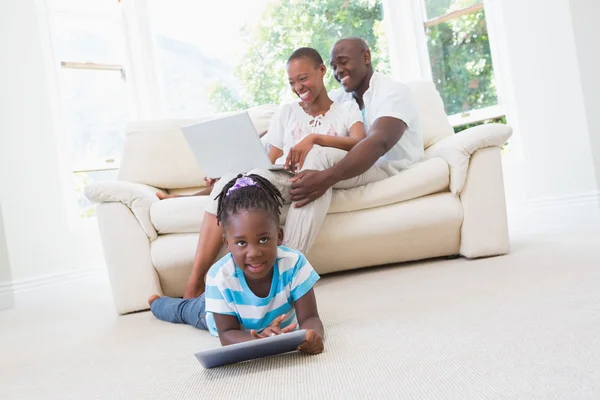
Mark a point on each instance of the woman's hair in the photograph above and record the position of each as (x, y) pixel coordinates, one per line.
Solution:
(307, 53)
(248, 192)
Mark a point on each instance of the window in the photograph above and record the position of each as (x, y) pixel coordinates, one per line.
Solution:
(88, 47)
(233, 57)
(460, 59)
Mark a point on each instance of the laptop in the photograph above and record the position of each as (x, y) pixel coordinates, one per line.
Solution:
(227, 145)
(252, 349)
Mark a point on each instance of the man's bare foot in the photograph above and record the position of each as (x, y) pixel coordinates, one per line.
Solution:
(163, 195)
(152, 298)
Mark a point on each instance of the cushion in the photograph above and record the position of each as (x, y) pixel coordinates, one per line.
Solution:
(136, 196)
(457, 149)
(427, 177)
(434, 120)
(184, 214)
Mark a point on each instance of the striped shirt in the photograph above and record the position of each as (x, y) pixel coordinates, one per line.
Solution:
(227, 291)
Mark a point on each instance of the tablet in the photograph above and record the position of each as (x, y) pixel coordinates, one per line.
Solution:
(251, 349)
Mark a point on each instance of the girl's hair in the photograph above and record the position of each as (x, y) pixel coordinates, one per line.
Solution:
(248, 192)
(307, 53)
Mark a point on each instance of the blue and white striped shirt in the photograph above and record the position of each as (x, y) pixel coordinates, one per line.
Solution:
(227, 291)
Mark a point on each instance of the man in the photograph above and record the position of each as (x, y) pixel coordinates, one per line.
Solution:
(390, 115)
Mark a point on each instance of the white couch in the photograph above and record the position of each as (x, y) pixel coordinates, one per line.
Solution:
(451, 203)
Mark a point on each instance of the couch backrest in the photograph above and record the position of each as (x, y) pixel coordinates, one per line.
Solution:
(431, 110)
(157, 154)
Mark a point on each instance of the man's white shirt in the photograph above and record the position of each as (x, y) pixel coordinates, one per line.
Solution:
(387, 97)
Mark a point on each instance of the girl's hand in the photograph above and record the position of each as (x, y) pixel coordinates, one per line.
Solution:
(297, 154)
(274, 329)
(313, 343)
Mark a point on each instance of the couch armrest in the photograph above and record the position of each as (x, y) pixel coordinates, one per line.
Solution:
(132, 275)
(484, 231)
(138, 197)
(457, 149)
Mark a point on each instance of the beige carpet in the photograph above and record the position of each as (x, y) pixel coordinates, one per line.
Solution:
(523, 326)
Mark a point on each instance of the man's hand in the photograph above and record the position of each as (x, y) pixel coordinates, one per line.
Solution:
(297, 155)
(309, 185)
(274, 329)
(313, 343)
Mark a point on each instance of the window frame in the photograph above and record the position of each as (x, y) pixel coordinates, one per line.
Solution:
(71, 168)
(111, 163)
(474, 115)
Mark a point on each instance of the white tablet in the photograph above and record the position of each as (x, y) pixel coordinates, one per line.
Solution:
(252, 349)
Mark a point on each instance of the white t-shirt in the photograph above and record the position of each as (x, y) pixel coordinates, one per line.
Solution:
(291, 124)
(387, 97)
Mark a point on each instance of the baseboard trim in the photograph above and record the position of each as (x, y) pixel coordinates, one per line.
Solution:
(42, 281)
(581, 199)
(558, 214)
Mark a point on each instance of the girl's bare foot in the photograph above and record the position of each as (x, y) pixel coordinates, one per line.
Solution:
(152, 298)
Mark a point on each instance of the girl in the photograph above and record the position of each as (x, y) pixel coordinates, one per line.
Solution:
(260, 288)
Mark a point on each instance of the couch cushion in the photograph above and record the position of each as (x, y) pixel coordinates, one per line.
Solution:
(427, 177)
(178, 215)
(431, 110)
(184, 214)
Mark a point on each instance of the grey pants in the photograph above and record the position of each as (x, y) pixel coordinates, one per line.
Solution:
(303, 224)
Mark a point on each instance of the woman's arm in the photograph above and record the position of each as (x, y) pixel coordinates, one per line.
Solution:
(356, 134)
(298, 153)
(274, 153)
(229, 330)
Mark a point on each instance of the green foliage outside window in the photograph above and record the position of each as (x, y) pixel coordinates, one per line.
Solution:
(289, 24)
(459, 50)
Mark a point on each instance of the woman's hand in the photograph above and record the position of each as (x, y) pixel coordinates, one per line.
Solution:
(297, 154)
(313, 343)
(210, 182)
(274, 329)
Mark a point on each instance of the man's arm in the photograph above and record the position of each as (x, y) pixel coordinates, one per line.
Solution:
(385, 133)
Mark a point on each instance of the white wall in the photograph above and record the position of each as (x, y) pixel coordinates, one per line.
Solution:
(584, 15)
(40, 233)
(6, 298)
(546, 80)
(552, 174)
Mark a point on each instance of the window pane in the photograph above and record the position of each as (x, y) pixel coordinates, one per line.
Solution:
(210, 64)
(437, 8)
(85, 6)
(87, 39)
(461, 63)
(81, 180)
(95, 109)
